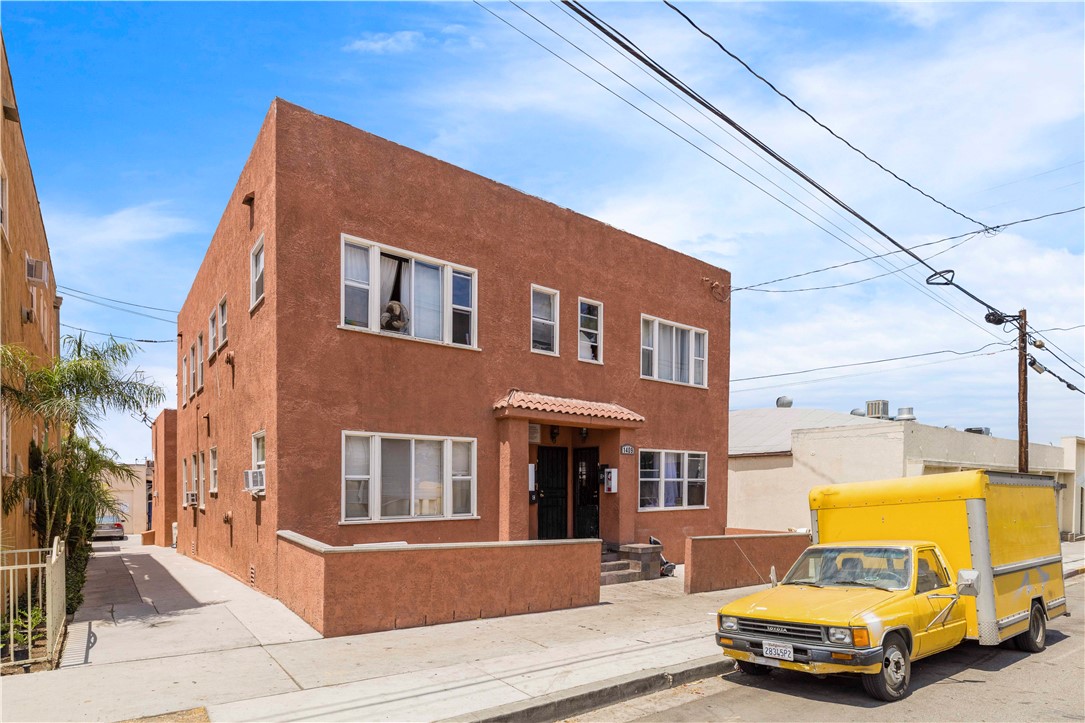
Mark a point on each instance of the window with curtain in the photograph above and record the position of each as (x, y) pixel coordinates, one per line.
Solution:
(388, 477)
(672, 479)
(414, 297)
(590, 332)
(673, 353)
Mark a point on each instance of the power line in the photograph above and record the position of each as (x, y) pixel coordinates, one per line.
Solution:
(118, 301)
(116, 336)
(873, 361)
(121, 308)
(922, 289)
(971, 235)
(1063, 328)
(866, 374)
(809, 115)
(1041, 369)
(1045, 346)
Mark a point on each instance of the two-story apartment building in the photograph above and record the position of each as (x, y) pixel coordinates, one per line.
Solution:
(388, 348)
(30, 312)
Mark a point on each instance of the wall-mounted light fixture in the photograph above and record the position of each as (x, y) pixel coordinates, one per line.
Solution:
(583, 434)
(554, 432)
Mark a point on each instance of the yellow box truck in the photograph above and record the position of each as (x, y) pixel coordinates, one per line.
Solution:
(905, 568)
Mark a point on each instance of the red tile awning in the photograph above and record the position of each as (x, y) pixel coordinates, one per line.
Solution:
(533, 402)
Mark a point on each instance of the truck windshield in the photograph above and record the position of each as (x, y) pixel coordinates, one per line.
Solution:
(887, 568)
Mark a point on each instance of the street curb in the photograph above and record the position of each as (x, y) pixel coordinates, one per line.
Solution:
(574, 701)
(1073, 573)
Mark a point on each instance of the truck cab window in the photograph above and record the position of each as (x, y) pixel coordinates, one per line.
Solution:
(929, 572)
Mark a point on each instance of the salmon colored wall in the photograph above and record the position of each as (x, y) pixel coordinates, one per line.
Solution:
(25, 236)
(725, 562)
(237, 399)
(166, 497)
(335, 179)
(435, 584)
(305, 380)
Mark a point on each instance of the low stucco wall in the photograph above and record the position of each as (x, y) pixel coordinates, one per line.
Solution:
(729, 561)
(364, 589)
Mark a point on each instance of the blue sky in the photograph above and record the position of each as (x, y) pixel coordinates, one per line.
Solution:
(139, 117)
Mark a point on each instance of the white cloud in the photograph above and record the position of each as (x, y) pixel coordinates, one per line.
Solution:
(401, 41)
(113, 230)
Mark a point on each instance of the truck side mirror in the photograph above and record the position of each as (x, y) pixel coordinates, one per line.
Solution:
(968, 583)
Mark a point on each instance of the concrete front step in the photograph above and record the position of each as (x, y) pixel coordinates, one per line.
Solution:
(614, 577)
(619, 565)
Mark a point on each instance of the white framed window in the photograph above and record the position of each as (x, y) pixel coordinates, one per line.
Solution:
(391, 291)
(37, 270)
(213, 470)
(256, 272)
(192, 371)
(544, 320)
(185, 487)
(222, 322)
(590, 331)
(199, 361)
(672, 479)
(212, 333)
(259, 450)
(673, 352)
(203, 479)
(407, 477)
(184, 379)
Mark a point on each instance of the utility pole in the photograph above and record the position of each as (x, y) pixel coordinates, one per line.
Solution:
(1022, 394)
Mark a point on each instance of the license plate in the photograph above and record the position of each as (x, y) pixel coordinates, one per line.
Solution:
(780, 651)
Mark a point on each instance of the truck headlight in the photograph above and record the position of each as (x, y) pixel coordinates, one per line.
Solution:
(728, 623)
(841, 636)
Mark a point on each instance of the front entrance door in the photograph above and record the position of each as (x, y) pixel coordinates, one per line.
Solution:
(550, 478)
(586, 492)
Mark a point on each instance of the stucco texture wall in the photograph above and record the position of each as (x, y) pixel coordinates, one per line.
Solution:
(334, 179)
(165, 492)
(725, 562)
(348, 592)
(23, 235)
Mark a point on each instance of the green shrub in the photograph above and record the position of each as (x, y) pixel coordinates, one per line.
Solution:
(75, 574)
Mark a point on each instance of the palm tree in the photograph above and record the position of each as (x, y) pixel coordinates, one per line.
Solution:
(72, 394)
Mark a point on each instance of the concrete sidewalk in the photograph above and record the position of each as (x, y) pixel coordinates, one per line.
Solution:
(160, 633)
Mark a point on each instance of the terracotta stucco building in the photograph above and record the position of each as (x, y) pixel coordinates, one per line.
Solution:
(30, 312)
(388, 348)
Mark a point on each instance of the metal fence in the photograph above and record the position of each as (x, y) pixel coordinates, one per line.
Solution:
(34, 600)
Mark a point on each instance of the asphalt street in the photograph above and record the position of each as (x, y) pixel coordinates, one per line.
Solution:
(969, 683)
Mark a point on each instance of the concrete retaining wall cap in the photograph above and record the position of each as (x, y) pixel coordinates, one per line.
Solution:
(740, 537)
(317, 546)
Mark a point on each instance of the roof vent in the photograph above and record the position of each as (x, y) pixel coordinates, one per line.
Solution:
(985, 431)
(784, 402)
(858, 412)
(904, 414)
(878, 409)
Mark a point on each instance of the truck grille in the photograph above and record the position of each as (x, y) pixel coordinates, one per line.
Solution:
(797, 632)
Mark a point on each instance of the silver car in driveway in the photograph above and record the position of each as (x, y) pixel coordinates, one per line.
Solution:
(109, 527)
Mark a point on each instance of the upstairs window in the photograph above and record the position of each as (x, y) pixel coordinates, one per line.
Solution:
(199, 361)
(4, 201)
(673, 352)
(259, 451)
(256, 258)
(213, 471)
(590, 332)
(396, 292)
(212, 333)
(184, 379)
(222, 321)
(544, 320)
(203, 478)
(192, 371)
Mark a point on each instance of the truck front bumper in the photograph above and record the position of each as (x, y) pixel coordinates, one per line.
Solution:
(814, 659)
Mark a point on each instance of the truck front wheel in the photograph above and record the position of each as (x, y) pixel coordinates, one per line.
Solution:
(1034, 639)
(891, 683)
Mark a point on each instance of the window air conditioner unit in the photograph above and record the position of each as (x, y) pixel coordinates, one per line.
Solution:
(191, 498)
(35, 270)
(254, 481)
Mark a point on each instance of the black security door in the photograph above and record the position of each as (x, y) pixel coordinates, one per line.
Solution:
(550, 478)
(586, 492)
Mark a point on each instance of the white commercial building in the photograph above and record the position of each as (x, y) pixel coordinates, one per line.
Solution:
(777, 455)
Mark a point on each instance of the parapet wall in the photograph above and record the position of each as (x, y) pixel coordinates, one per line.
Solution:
(367, 588)
(729, 561)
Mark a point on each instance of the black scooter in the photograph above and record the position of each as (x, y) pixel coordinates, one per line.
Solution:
(666, 569)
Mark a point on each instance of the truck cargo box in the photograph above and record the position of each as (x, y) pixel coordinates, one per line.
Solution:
(1002, 525)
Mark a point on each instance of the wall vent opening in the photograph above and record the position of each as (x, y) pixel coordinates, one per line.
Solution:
(252, 575)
